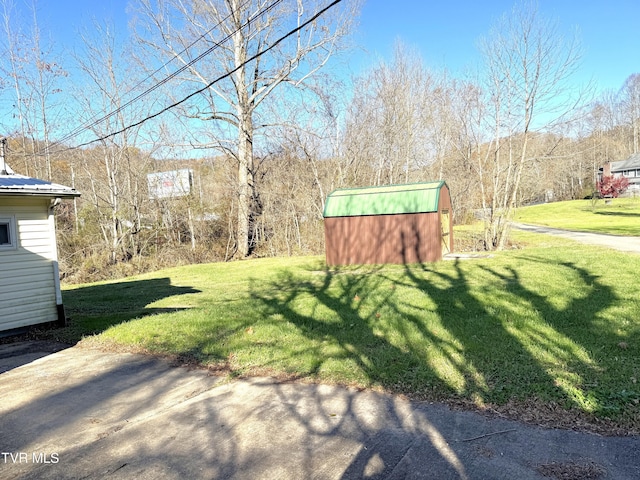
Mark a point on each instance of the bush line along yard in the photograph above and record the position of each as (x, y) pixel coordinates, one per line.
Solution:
(549, 327)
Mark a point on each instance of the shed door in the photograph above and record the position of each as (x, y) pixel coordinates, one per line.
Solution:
(445, 224)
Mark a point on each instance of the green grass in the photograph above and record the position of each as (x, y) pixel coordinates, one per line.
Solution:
(558, 323)
(620, 217)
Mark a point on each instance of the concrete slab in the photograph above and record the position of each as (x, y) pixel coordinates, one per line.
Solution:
(616, 242)
(81, 413)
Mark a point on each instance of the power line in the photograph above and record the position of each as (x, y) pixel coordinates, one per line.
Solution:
(216, 45)
(221, 77)
(80, 129)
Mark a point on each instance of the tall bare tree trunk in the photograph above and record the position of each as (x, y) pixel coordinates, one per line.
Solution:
(245, 187)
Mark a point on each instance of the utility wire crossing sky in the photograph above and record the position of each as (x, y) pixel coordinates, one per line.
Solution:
(445, 33)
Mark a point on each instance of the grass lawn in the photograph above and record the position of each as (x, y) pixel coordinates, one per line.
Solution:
(555, 325)
(620, 217)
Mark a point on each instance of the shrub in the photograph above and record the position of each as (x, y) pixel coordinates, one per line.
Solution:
(612, 187)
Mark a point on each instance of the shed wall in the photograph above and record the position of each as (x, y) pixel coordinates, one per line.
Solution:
(402, 238)
(27, 280)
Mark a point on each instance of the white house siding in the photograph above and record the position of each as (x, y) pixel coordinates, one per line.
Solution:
(27, 280)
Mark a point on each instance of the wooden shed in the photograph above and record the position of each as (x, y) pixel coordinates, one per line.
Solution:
(30, 283)
(402, 224)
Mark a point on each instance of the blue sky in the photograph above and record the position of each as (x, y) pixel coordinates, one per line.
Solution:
(444, 32)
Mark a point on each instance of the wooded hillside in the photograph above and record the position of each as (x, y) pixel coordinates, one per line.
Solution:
(276, 127)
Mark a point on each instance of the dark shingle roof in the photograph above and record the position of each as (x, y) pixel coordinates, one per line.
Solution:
(630, 163)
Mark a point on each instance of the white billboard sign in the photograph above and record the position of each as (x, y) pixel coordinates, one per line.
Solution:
(175, 183)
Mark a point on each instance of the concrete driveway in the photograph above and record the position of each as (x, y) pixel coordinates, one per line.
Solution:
(83, 414)
(617, 242)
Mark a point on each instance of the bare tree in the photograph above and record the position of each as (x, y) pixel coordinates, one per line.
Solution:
(242, 37)
(35, 80)
(630, 108)
(466, 157)
(604, 121)
(528, 65)
(44, 85)
(390, 120)
(13, 67)
(115, 172)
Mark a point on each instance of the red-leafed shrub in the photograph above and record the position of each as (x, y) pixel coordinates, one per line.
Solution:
(612, 187)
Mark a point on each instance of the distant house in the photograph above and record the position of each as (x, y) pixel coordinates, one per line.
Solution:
(390, 224)
(30, 283)
(629, 168)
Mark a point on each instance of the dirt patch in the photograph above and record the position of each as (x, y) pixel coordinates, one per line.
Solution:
(551, 415)
(548, 415)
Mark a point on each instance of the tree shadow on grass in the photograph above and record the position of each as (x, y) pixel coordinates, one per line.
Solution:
(94, 308)
(618, 214)
(579, 339)
(333, 316)
(421, 330)
(425, 344)
(478, 335)
(469, 332)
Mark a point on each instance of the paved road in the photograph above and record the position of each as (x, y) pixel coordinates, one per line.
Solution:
(617, 242)
(82, 414)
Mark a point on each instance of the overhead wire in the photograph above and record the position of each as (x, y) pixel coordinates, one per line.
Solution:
(218, 79)
(158, 84)
(161, 82)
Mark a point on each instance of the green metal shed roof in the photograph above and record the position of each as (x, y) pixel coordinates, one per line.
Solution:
(387, 200)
